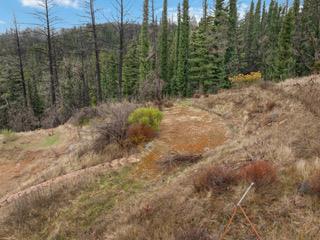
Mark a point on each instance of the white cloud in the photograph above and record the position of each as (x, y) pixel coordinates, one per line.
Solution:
(242, 9)
(2, 22)
(64, 3)
(173, 13)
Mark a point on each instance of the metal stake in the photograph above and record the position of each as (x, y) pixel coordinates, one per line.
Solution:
(235, 210)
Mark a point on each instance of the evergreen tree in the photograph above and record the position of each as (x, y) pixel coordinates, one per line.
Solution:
(232, 60)
(131, 71)
(109, 73)
(286, 62)
(164, 45)
(175, 55)
(273, 29)
(144, 62)
(311, 38)
(200, 64)
(218, 47)
(249, 39)
(183, 62)
(256, 50)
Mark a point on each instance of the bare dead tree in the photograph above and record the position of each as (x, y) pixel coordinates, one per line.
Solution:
(155, 65)
(154, 35)
(21, 66)
(47, 21)
(91, 14)
(120, 21)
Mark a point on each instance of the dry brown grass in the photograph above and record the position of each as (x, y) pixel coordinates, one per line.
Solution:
(174, 160)
(262, 173)
(215, 179)
(194, 234)
(315, 183)
(139, 133)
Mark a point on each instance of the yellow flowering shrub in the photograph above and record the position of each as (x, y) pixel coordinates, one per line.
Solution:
(246, 78)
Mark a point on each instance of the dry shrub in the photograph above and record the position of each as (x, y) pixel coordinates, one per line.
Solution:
(196, 95)
(83, 116)
(264, 85)
(194, 234)
(174, 160)
(314, 184)
(270, 106)
(22, 119)
(262, 173)
(309, 95)
(215, 179)
(168, 104)
(307, 144)
(140, 133)
(113, 129)
(55, 116)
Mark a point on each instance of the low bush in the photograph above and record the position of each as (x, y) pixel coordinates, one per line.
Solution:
(168, 104)
(193, 234)
(139, 133)
(114, 128)
(22, 119)
(150, 117)
(314, 183)
(215, 179)
(262, 173)
(83, 116)
(174, 160)
(246, 78)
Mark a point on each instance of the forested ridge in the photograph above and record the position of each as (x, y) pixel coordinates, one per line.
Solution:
(47, 74)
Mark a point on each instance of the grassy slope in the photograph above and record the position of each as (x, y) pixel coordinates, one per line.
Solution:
(273, 123)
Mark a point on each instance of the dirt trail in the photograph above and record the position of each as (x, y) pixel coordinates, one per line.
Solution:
(184, 130)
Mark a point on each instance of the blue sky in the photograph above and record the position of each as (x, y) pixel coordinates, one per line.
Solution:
(70, 12)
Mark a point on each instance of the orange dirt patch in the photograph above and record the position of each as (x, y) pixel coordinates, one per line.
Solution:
(184, 130)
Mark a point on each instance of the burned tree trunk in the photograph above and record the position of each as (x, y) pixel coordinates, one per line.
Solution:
(96, 50)
(21, 66)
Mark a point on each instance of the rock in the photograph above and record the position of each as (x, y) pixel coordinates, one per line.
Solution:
(304, 188)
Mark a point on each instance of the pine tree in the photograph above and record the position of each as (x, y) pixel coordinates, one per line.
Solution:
(109, 75)
(232, 60)
(144, 62)
(131, 71)
(174, 56)
(256, 50)
(164, 45)
(311, 38)
(249, 39)
(218, 47)
(183, 62)
(286, 62)
(273, 29)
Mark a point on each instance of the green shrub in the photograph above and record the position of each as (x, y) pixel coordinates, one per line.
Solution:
(150, 117)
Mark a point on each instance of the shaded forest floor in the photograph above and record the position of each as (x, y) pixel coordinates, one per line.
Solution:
(49, 191)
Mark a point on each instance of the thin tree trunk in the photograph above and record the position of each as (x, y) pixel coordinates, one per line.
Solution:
(50, 56)
(121, 51)
(21, 66)
(96, 49)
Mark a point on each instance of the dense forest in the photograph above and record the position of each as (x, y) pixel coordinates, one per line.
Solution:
(46, 74)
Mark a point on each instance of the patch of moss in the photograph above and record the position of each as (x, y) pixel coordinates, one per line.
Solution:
(101, 197)
(50, 141)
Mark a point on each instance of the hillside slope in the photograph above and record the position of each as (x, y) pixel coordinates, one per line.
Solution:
(135, 197)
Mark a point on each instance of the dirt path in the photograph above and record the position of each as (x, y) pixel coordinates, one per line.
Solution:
(184, 130)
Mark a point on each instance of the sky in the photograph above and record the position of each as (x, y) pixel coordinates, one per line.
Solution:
(70, 12)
